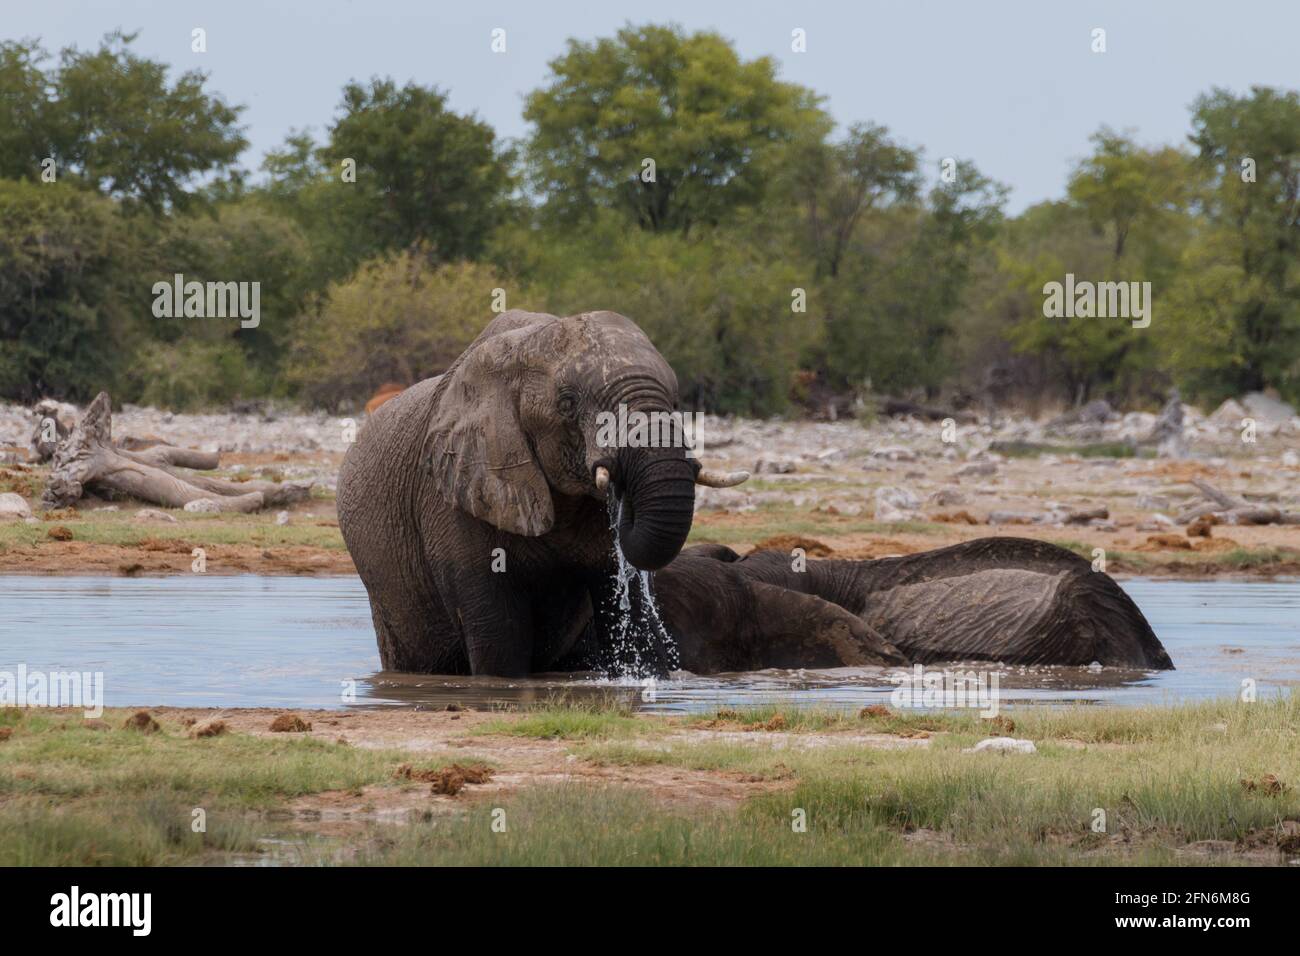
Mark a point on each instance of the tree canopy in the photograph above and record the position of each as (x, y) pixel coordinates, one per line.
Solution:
(771, 255)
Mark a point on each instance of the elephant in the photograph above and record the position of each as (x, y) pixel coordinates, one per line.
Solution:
(722, 620)
(477, 505)
(1005, 599)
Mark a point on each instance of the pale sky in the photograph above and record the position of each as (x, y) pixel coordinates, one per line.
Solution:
(1011, 84)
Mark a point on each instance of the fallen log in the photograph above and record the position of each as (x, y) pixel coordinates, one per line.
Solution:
(87, 460)
(1230, 509)
(897, 407)
(1100, 513)
(1223, 500)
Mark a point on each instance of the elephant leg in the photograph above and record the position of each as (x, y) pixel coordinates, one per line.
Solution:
(495, 618)
(414, 636)
(562, 616)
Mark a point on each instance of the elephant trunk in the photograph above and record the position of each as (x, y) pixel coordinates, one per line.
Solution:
(658, 502)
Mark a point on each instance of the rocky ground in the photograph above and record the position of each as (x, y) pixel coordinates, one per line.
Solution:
(1130, 484)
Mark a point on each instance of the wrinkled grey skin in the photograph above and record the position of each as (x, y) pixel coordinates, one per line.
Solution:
(1013, 600)
(500, 452)
(722, 620)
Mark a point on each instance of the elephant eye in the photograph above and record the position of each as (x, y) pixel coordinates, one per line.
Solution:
(567, 403)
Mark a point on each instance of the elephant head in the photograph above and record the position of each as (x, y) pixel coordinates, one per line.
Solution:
(522, 417)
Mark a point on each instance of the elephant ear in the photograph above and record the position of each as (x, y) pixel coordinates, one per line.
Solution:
(475, 448)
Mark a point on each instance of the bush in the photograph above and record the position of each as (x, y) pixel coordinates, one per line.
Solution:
(399, 319)
(69, 302)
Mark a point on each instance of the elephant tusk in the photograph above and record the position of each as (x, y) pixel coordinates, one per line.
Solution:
(720, 479)
(602, 478)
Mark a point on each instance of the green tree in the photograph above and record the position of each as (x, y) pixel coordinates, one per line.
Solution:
(70, 299)
(25, 139)
(891, 306)
(1256, 219)
(836, 184)
(687, 103)
(717, 304)
(424, 175)
(233, 241)
(1123, 187)
(399, 318)
(112, 120)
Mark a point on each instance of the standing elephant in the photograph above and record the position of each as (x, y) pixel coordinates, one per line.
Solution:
(1013, 600)
(474, 504)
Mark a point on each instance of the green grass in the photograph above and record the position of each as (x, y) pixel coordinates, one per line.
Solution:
(1024, 449)
(571, 825)
(56, 755)
(25, 483)
(71, 795)
(121, 528)
(564, 718)
(812, 720)
(846, 821)
(1244, 558)
(1165, 777)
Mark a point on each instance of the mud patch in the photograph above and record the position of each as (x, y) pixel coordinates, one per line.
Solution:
(209, 728)
(289, 724)
(446, 780)
(788, 542)
(142, 721)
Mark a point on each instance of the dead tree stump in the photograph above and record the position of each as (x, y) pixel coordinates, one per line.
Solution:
(88, 460)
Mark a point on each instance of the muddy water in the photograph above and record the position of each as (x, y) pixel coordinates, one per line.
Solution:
(307, 643)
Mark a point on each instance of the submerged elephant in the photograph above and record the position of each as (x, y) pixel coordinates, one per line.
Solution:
(474, 504)
(1013, 600)
(723, 620)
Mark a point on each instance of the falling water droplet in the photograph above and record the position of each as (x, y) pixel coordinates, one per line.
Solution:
(637, 629)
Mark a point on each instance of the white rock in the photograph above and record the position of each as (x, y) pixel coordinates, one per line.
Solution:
(894, 453)
(896, 504)
(947, 497)
(282, 517)
(203, 506)
(13, 506)
(1003, 745)
(1266, 408)
(153, 514)
(1014, 517)
(978, 468)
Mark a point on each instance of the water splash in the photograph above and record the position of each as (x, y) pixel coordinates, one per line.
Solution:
(639, 644)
